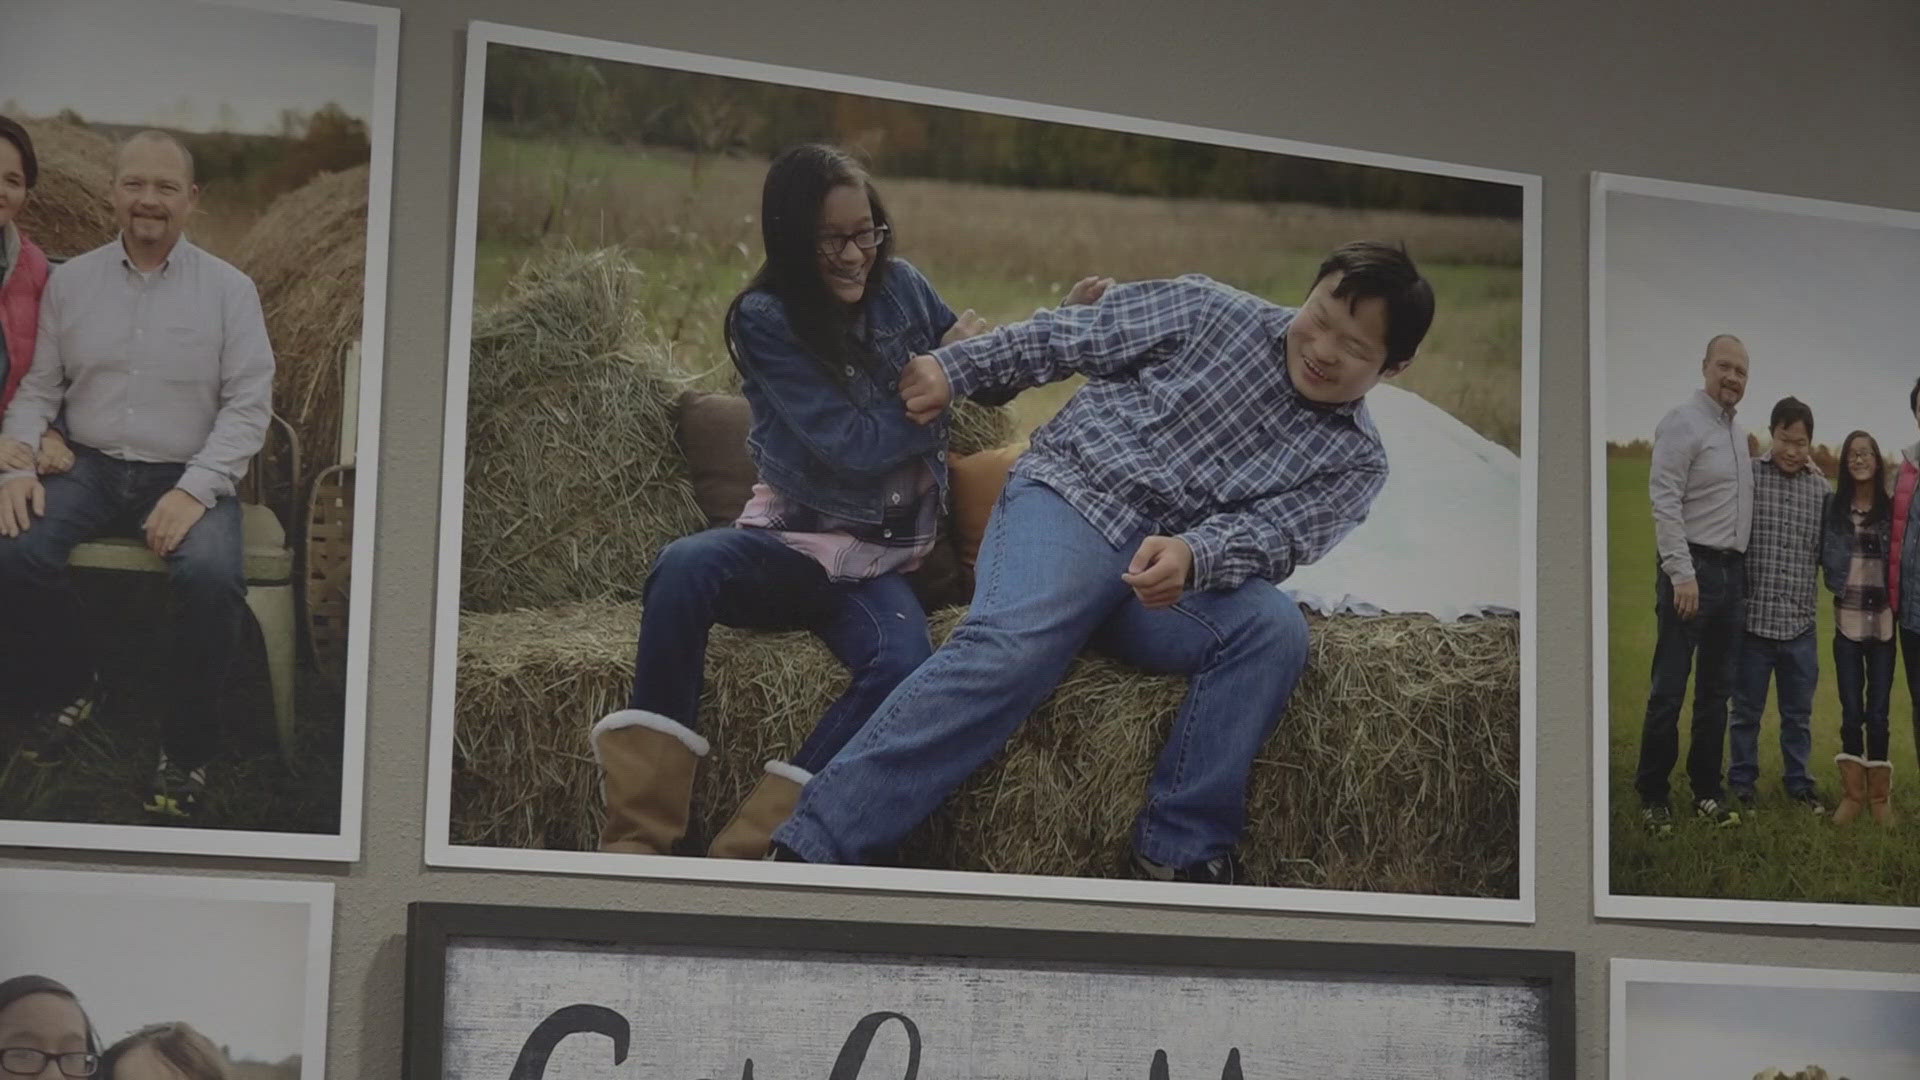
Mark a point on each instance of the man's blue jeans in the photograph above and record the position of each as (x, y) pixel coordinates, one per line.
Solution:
(46, 646)
(1047, 584)
(1705, 646)
(748, 578)
(1795, 665)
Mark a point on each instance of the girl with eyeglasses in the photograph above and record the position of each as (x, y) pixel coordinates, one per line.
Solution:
(849, 498)
(44, 1033)
(1855, 550)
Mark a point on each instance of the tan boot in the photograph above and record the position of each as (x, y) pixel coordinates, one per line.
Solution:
(1880, 791)
(750, 834)
(1853, 788)
(647, 763)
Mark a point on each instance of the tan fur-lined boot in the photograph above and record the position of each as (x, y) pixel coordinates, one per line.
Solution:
(1880, 791)
(750, 834)
(1853, 788)
(647, 763)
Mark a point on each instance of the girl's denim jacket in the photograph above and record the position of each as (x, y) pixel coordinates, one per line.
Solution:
(828, 446)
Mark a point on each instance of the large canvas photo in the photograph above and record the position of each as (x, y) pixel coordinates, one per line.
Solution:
(855, 484)
(1754, 389)
(135, 976)
(194, 286)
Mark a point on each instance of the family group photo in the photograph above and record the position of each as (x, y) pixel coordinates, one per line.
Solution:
(1762, 635)
(184, 263)
(154, 977)
(861, 481)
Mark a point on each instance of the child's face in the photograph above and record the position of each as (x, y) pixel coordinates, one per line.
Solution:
(1791, 447)
(49, 1023)
(142, 1063)
(1336, 353)
(844, 214)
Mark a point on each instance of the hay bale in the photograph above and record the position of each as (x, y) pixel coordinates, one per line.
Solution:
(1393, 778)
(69, 212)
(573, 480)
(308, 257)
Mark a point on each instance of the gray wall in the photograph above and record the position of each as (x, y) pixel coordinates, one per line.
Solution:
(1816, 100)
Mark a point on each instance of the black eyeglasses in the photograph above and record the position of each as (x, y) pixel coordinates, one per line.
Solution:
(26, 1061)
(865, 240)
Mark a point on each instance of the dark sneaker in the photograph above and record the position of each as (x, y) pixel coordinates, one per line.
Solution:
(177, 792)
(1716, 813)
(1745, 802)
(1657, 819)
(1810, 799)
(1219, 870)
(50, 740)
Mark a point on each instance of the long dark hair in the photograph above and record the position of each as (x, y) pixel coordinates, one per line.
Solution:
(23, 986)
(797, 185)
(1845, 486)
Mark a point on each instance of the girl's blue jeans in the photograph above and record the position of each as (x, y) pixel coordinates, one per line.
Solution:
(747, 578)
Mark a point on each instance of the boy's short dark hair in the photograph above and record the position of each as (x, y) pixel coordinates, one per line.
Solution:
(1368, 269)
(1788, 410)
(11, 131)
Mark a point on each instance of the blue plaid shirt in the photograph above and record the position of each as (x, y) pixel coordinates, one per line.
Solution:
(1188, 426)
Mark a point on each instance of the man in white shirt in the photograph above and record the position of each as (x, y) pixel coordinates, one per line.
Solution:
(155, 356)
(1701, 488)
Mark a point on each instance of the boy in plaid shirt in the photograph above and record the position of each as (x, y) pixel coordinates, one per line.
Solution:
(1220, 442)
(1783, 563)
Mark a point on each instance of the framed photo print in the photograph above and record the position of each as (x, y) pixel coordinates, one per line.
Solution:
(1025, 432)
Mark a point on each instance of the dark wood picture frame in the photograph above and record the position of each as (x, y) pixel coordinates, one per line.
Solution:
(433, 926)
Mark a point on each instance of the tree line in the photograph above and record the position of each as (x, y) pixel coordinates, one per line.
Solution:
(559, 96)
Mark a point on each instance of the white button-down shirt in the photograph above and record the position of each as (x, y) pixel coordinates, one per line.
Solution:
(170, 365)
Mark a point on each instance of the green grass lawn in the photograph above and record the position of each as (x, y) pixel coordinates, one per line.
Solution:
(1785, 853)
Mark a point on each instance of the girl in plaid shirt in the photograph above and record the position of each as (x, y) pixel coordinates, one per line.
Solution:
(1853, 554)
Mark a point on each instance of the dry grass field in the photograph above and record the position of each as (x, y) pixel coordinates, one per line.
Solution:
(690, 223)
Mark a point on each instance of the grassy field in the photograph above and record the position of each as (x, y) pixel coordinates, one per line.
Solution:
(690, 223)
(1786, 854)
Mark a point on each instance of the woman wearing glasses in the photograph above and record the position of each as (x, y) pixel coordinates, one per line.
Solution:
(849, 496)
(44, 1033)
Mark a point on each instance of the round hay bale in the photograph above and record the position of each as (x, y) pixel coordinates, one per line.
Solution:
(574, 481)
(307, 255)
(69, 212)
(1390, 778)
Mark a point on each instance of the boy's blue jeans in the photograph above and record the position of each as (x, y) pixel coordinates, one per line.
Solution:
(1795, 665)
(748, 578)
(1047, 584)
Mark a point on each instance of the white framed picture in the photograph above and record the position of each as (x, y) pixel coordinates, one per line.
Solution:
(1672, 1018)
(120, 733)
(1753, 392)
(122, 964)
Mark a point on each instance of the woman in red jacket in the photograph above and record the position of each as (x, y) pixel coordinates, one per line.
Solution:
(23, 275)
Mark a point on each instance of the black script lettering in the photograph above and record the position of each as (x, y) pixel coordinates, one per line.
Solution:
(853, 1053)
(572, 1020)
